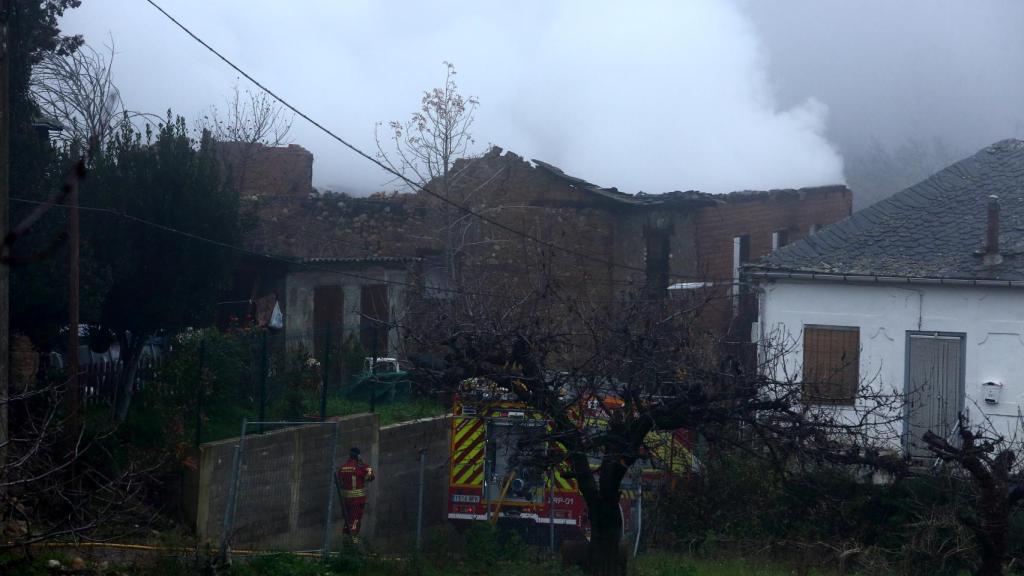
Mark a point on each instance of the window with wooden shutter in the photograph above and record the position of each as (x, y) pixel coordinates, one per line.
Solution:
(831, 364)
(373, 323)
(328, 317)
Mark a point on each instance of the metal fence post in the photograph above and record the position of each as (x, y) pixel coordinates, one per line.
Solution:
(326, 548)
(327, 374)
(201, 388)
(263, 379)
(639, 517)
(551, 510)
(419, 501)
(229, 508)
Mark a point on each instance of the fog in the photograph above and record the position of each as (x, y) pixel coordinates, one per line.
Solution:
(709, 95)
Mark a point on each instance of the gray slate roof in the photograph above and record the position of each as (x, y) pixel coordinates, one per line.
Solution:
(934, 229)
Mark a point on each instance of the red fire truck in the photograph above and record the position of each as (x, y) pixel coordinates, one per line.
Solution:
(495, 440)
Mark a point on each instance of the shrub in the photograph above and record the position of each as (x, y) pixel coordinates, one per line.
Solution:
(487, 545)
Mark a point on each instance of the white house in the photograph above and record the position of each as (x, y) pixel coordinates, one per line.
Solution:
(922, 293)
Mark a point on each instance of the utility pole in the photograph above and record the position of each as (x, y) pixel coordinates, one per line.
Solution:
(5, 167)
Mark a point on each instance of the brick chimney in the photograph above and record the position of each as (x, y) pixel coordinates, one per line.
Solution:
(992, 255)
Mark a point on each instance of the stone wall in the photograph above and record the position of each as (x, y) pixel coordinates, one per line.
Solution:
(286, 477)
(543, 226)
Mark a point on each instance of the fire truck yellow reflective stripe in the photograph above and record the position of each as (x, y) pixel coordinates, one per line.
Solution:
(562, 483)
(461, 433)
(471, 437)
(472, 454)
(468, 449)
(469, 462)
(474, 476)
(467, 445)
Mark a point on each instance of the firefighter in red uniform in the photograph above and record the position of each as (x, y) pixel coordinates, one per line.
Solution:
(352, 478)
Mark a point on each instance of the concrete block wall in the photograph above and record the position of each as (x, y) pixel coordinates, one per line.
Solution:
(286, 477)
(284, 482)
(394, 505)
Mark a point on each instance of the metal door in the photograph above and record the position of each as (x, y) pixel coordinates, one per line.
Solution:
(934, 386)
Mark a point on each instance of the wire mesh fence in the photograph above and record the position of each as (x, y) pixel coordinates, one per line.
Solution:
(278, 492)
(281, 496)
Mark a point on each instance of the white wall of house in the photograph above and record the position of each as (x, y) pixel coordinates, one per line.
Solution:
(991, 318)
(300, 288)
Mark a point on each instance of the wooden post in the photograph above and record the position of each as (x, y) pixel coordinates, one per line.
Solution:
(5, 132)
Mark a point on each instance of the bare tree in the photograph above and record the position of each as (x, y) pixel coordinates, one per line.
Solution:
(249, 120)
(60, 480)
(424, 149)
(77, 89)
(994, 473)
(663, 374)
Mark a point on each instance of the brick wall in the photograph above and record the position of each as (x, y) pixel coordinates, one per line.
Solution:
(258, 170)
(757, 215)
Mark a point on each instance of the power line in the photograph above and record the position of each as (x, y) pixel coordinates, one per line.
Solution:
(389, 169)
(286, 260)
(248, 251)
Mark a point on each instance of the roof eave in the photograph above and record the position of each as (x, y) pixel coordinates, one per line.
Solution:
(769, 274)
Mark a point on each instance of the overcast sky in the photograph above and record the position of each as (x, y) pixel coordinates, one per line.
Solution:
(715, 95)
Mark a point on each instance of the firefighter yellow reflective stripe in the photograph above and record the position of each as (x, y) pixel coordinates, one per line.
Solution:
(353, 493)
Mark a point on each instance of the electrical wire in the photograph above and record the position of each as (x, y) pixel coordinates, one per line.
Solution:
(424, 187)
(316, 266)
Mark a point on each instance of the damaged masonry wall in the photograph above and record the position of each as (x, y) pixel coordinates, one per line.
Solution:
(620, 231)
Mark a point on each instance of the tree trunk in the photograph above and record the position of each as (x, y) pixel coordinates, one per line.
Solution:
(605, 556)
(994, 526)
(131, 352)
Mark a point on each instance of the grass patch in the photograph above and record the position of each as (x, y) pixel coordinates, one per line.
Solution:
(391, 413)
(354, 563)
(224, 422)
(663, 564)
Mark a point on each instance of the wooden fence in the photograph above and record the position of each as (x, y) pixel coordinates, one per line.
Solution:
(98, 380)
